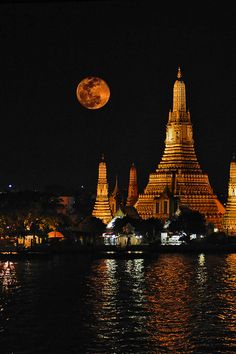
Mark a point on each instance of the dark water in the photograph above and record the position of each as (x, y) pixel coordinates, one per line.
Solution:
(174, 304)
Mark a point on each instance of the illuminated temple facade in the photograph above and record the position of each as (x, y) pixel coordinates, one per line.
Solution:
(230, 213)
(178, 180)
(102, 208)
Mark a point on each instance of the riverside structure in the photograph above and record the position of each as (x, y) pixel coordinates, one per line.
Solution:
(102, 209)
(229, 219)
(178, 180)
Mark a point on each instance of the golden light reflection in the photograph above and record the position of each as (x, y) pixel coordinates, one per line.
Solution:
(168, 303)
(104, 285)
(113, 294)
(201, 259)
(228, 315)
(135, 268)
(169, 322)
(201, 270)
(8, 275)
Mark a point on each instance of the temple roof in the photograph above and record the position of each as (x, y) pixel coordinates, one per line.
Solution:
(119, 213)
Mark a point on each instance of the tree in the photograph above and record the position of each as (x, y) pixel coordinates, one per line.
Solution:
(189, 221)
(24, 213)
(148, 227)
(91, 224)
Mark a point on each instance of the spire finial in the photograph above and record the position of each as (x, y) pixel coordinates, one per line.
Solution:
(179, 75)
(233, 157)
(102, 157)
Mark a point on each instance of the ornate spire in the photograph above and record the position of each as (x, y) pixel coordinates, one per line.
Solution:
(114, 198)
(179, 95)
(179, 144)
(230, 214)
(116, 188)
(102, 208)
(133, 187)
(180, 171)
(179, 75)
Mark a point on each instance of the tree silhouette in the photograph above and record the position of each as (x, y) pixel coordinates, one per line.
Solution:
(189, 221)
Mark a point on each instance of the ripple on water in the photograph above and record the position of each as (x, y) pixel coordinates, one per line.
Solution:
(176, 303)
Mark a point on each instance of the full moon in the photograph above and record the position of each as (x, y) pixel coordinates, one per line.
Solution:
(93, 92)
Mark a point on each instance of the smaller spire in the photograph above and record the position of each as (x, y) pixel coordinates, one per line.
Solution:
(116, 188)
(179, 75)
(234, 157)
(103, 157)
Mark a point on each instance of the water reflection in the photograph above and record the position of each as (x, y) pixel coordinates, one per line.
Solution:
(211, 306)
(201, 272)
(169, 301)
(174, 304)
(120, 312)
(8, 285)
(8, 278)
(228, 297)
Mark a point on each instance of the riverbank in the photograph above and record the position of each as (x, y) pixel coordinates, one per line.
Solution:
(129, 252)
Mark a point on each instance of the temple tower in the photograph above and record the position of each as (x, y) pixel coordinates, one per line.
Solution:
(101, 208)
(114, 199)
(179, 169)
(229, 220)
(133, 187)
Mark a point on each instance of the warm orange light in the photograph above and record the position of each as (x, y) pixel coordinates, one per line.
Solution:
(93, 92)
(55, 234)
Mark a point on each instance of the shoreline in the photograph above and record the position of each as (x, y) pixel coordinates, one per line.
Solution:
(109, 252)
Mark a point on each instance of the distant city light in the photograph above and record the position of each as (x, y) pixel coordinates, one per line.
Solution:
(9, 185)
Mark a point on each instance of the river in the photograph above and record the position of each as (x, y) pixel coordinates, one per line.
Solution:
(176, 303)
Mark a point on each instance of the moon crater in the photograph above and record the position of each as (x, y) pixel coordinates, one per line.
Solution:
(93, 92)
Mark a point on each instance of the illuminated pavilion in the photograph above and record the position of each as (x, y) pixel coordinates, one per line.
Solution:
(229, 220)
(102, 208)
(179, 172)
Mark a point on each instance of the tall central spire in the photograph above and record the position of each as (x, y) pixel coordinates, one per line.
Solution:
(179, 94)
(179, 171)
(179, 145)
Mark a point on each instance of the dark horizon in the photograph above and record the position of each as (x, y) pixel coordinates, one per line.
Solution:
(48, 138)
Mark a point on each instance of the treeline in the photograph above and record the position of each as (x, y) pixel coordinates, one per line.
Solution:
(24, 213)
(38, 213)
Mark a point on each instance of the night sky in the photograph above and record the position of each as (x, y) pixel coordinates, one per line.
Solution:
(47, 48)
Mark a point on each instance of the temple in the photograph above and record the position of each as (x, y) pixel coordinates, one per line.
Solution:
(178, 180)
(133, 187)
(229, 220)
(114, 199)
(102, 208)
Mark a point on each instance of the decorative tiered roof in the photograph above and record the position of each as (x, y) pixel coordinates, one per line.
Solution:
(102, 207)
(230, 213)
(179, 169)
